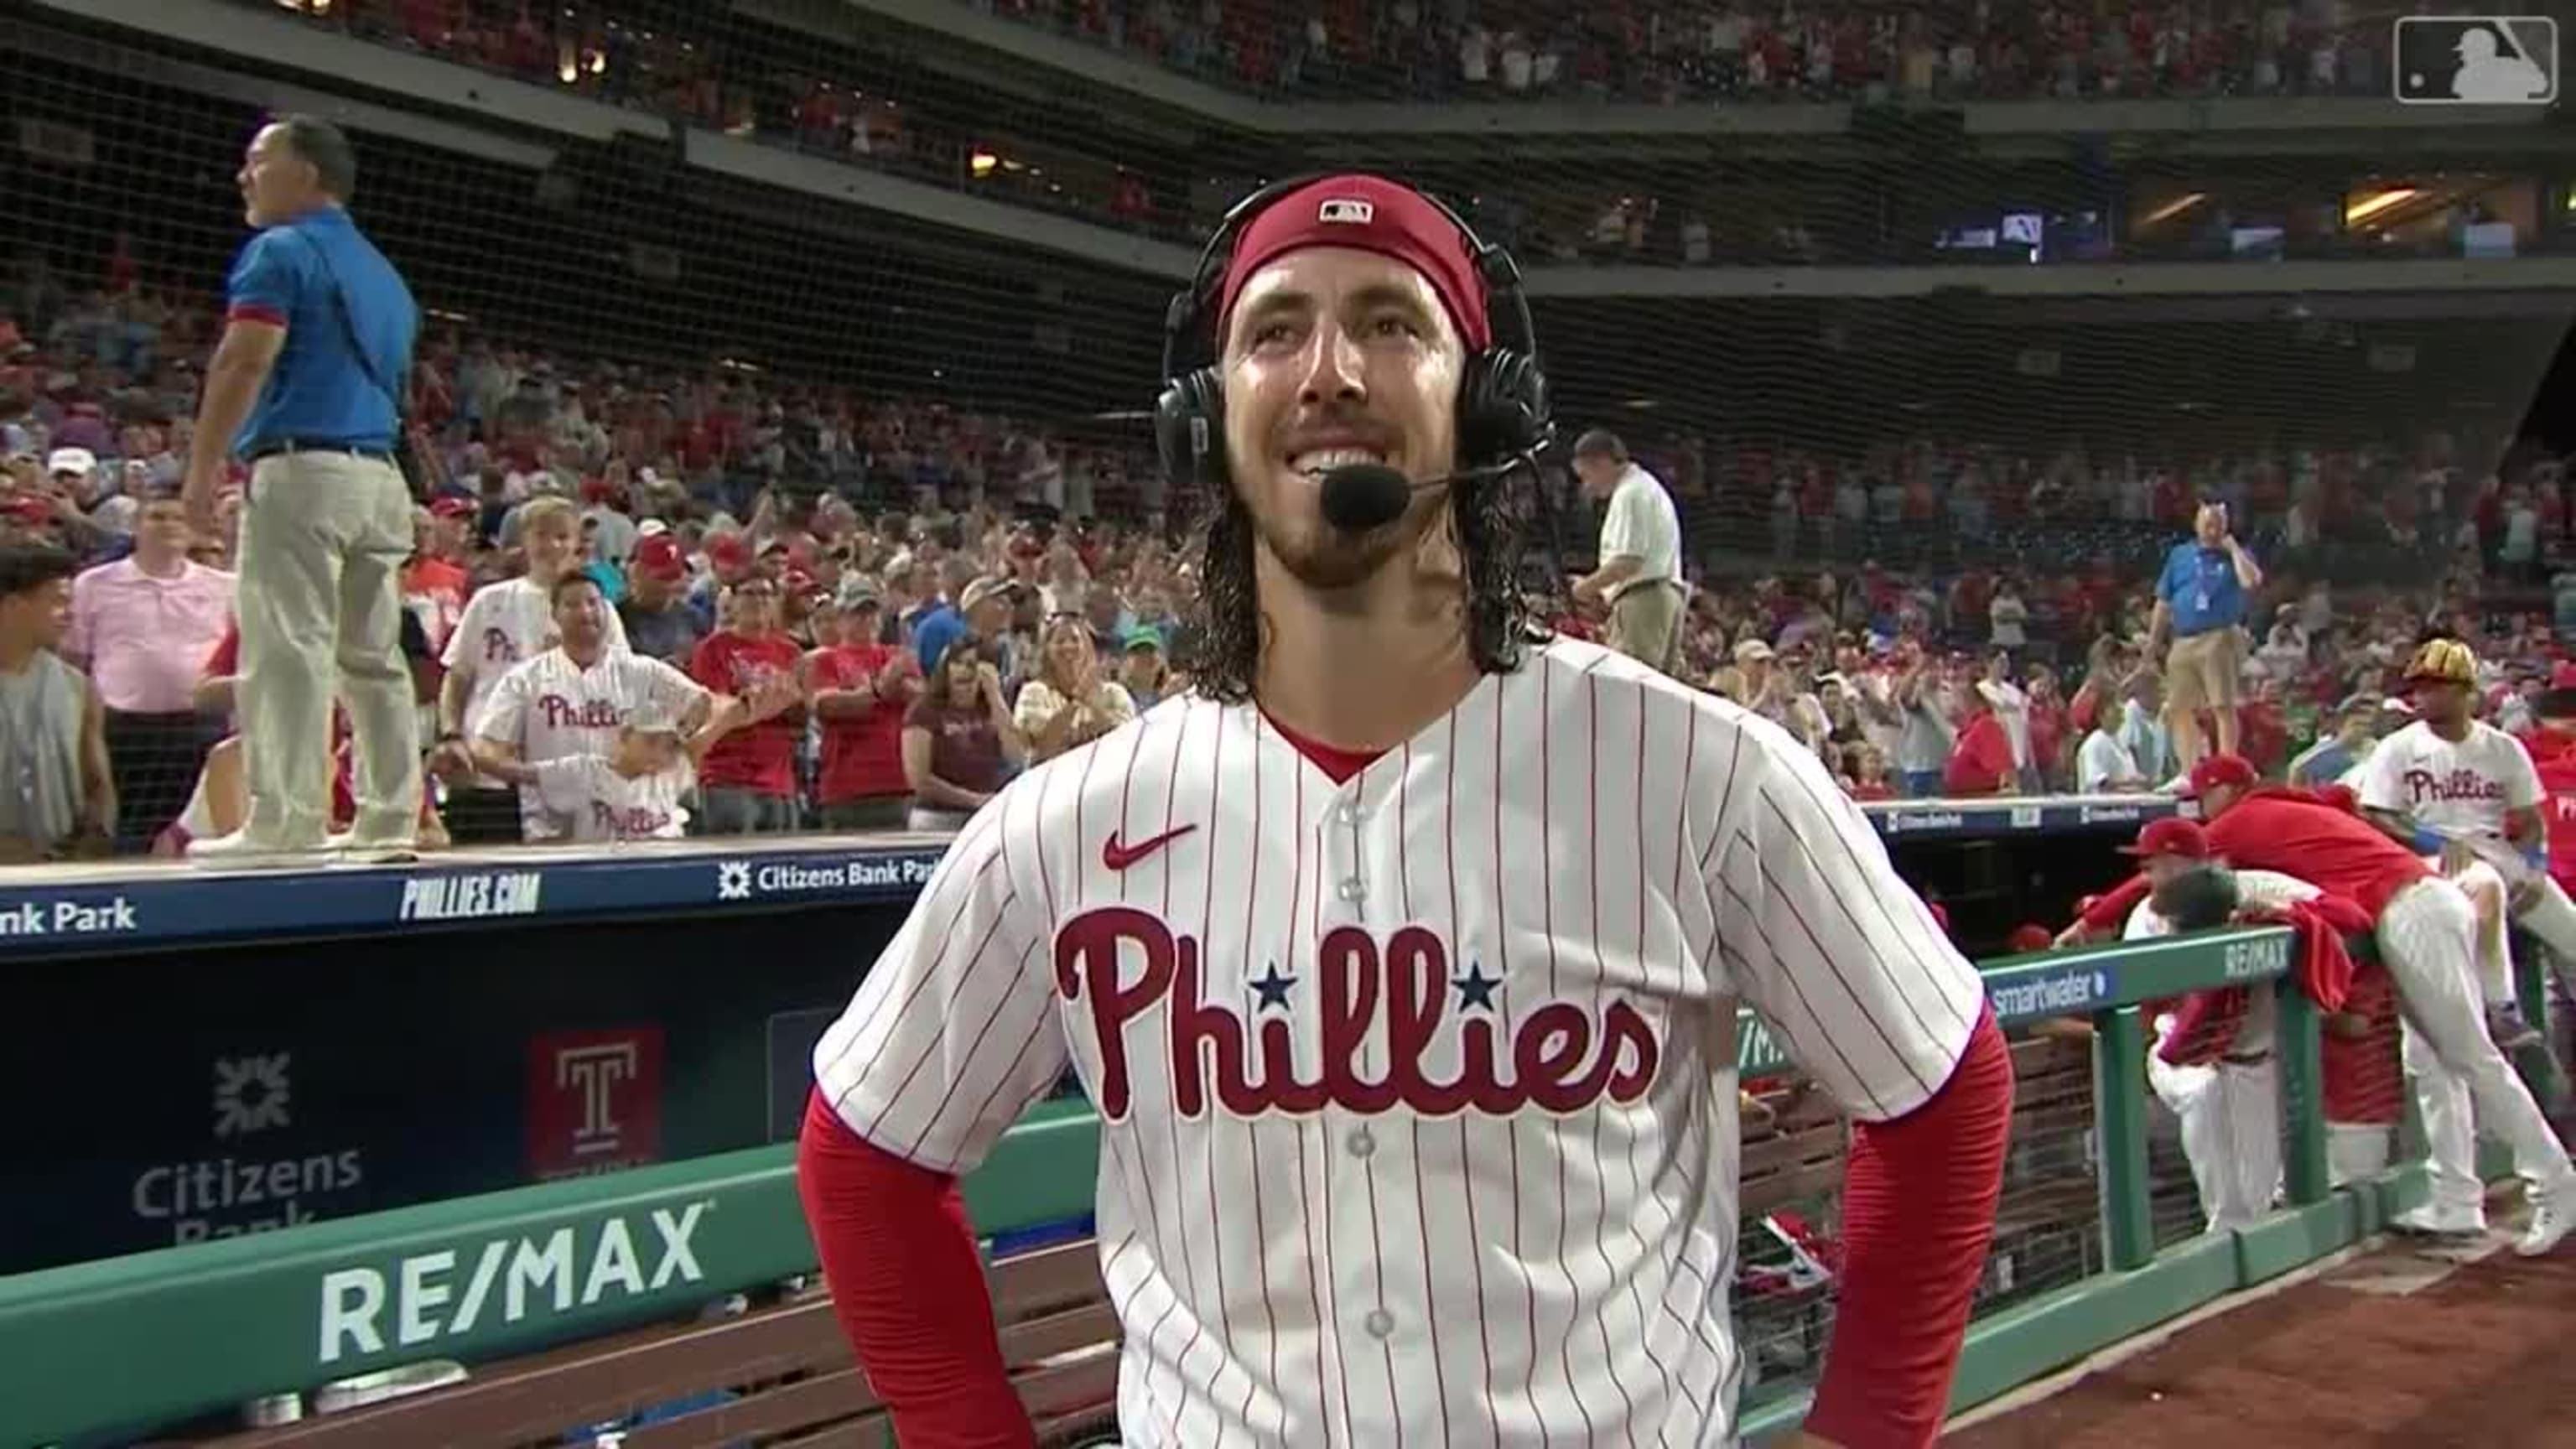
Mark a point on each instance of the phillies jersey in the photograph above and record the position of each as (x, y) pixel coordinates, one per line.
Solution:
(2460, 788)
(505, 622)
(1417, 1091)
(565, 720)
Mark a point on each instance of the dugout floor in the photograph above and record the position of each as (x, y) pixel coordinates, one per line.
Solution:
(2404, 1347)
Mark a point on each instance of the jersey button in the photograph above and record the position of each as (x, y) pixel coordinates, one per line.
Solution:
(1348, 814)
(1379, 1323)
(1354, 888)
(1360, 1142)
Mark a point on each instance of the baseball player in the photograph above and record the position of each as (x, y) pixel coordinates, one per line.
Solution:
(2423, 925)
(602, 743)
(1400, 959)
(2214, 1063)
(2466, 796)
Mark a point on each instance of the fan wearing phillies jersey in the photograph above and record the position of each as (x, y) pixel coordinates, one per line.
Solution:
(2457, 789)
(1401, 959)
(505, 622)
(2423, 926)
(601, 742)
(2553, 753)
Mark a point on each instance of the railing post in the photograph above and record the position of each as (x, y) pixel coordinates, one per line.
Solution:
(2538, 1064)
(2120, 1129)
(2299, 1042)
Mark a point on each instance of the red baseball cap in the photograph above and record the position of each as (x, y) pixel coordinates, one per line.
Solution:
(2028, 938)
(658, 557)
(2175, 836)
(1372, 214)
(448, 505)
(2217, 770)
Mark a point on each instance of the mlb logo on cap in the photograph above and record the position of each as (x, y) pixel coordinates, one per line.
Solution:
(1347, 211)
(2477, 60)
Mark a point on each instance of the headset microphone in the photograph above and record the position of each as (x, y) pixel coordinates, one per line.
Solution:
(1360, 496)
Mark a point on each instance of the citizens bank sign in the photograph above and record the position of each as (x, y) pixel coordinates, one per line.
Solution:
(743, 880)
(427, 1298)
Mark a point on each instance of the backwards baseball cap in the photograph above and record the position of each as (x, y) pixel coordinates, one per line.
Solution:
(2176, 837)
(71, 460)
(2217, 770)
(1370, 214)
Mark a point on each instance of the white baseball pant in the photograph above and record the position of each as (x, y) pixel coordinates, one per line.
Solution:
(2551, 919)
(2231, 1132)
(2493, 902)
(2425, 936)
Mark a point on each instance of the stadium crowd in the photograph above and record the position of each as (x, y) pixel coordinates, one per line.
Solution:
(793, 91)
(820, 554)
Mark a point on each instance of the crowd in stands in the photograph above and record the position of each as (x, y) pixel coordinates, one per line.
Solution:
(701, 72)
(823, 553)
(1966, 50)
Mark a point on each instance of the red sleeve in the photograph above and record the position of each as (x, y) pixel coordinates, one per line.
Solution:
(2205, 1022)
(908, 1288)
(2110, 910)
(226, 660)
(1918, 1213)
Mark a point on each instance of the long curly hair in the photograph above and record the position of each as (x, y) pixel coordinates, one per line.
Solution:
(1224, 627)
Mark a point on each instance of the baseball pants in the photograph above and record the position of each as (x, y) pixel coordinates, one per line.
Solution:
(2551, 919)
(2426, 935)
(2231, 1132)
(323, 541)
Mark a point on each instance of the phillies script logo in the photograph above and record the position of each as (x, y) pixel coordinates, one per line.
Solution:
(590, 714)
(2424, 785)
(1558, 1058)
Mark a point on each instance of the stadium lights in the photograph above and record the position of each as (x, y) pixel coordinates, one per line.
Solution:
(2357, 212)
(2174, 208)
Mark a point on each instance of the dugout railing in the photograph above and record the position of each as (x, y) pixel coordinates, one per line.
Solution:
(681, 1293)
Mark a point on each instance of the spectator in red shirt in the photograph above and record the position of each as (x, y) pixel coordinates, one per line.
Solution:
(749, 778)
(1981, 759)
(862, 689)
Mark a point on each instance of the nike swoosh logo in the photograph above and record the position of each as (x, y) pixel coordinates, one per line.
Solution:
(1118, 855)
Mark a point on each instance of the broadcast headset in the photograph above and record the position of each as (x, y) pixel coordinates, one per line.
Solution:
(1504, 420)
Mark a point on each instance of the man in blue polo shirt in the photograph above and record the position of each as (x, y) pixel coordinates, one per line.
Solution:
(2200, 606)
(316, 349)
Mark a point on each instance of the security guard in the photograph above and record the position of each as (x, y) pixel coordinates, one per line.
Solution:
(304, 387)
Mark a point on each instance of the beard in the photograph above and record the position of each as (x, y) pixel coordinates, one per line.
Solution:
(1327, 559)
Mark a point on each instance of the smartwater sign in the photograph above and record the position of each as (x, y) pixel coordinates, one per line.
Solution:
(2031, 993)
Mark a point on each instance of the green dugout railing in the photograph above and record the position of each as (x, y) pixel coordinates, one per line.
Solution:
(126, 1343)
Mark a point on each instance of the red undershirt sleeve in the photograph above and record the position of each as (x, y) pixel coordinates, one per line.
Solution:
(2111, 909)
(1918, 1205)
(908, 1288)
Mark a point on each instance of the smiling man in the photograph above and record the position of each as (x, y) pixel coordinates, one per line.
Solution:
(1402, 958)
(316, 348)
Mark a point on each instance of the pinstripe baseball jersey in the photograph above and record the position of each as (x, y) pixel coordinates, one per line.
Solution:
(1416, 1091)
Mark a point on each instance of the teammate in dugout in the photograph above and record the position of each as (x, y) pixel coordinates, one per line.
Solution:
(2467, 797)
(1401, 957)
(2423, 926)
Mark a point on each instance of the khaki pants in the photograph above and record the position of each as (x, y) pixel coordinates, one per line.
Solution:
(323, 540)
(1645, 623)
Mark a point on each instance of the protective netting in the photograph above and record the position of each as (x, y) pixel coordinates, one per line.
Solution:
(969, 224)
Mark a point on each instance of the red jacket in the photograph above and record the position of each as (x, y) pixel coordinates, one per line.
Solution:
(2206, 1022)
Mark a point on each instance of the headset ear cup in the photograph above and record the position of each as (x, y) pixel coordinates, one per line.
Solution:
(1189, 430)
(1503, 406)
